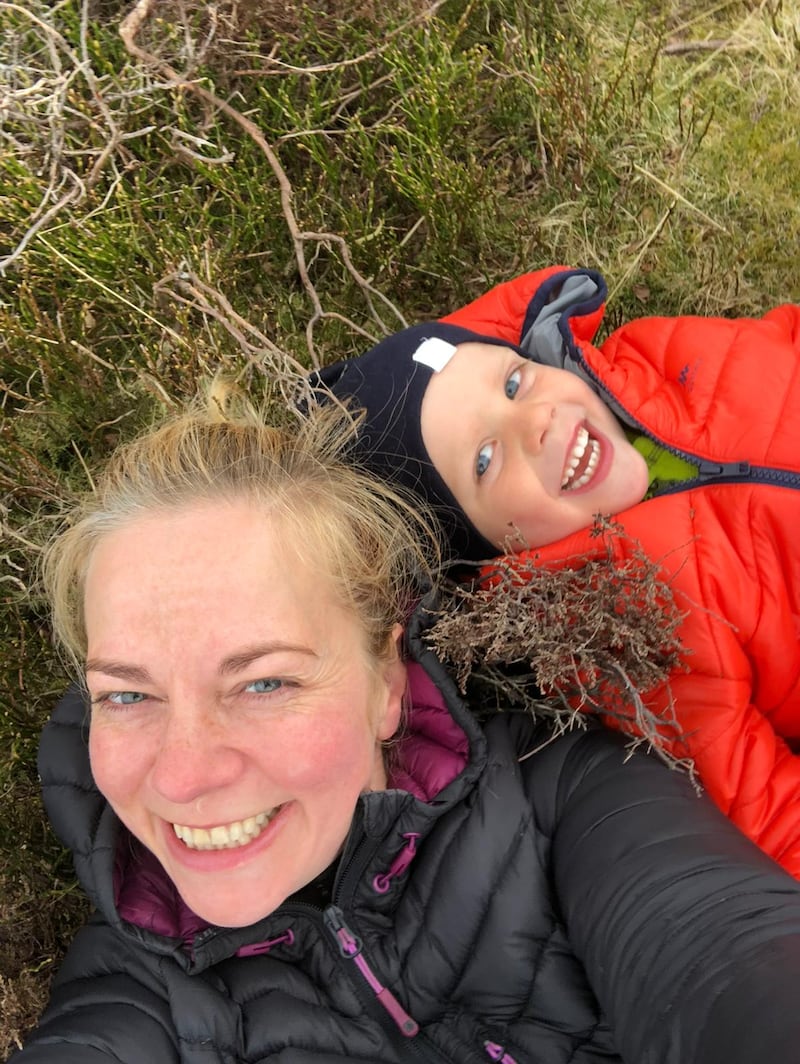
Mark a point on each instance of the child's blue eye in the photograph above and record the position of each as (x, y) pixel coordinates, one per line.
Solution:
(484, 458)
(512, 383)
(263, 687)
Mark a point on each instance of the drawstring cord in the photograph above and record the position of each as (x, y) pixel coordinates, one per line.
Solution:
(256, 948)
(498, 1053)
(383, 880)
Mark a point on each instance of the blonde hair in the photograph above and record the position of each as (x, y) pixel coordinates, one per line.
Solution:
(376, 547)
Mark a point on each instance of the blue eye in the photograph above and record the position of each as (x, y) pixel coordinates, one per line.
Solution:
(484, 459)
(264, 687)
(123, 698)
(512, 384)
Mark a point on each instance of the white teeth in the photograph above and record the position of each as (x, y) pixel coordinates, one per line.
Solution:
(591, 465)
(219, 836)
(582, 441)
(224, 836)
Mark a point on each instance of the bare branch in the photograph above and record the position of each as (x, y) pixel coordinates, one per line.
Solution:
(129, 30)
(71, 196)
(682, 47)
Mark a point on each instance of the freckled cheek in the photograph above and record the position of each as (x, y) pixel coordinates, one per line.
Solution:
(119, 762)
(320, 754)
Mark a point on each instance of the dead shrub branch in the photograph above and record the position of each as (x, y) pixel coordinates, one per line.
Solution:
(129, 30)
(590, 639)
(183, 286)
(35, 98)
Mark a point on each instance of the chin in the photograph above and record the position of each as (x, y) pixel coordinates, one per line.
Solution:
(233, 908)
(230, 914)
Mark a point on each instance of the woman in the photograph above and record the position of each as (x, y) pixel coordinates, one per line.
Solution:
(301, 846)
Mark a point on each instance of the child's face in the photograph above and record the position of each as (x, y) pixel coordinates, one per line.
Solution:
(530, 452)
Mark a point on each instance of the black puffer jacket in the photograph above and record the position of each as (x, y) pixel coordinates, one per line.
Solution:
(564, 909)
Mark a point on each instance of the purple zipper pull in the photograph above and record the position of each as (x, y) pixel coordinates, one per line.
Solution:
(350, 947)
(383, 880)
(253, 950)
(498, 1053)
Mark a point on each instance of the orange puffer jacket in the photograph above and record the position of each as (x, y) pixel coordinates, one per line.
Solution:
(725, 394)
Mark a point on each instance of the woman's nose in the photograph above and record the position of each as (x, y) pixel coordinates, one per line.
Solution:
(195, 756)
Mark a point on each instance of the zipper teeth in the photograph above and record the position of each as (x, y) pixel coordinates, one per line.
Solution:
(415, 1042)
(359, 860)
(767, 473)
(756, 474)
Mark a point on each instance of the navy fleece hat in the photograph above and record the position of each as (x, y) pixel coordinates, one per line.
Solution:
(388, 383)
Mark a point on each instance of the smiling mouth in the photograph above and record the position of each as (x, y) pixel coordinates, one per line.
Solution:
(225, 836)
(582, 461)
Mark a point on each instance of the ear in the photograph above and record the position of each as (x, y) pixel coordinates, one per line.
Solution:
(395, 677)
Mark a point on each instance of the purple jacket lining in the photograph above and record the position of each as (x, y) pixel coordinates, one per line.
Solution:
(430, 754)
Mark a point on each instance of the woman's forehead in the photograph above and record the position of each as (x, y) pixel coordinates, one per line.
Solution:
(200, 552)
(236, 566)
(243, 561)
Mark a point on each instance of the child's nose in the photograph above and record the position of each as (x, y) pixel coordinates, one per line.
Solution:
(534, 421)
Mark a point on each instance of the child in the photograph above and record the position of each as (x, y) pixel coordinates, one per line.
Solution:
(519, 431)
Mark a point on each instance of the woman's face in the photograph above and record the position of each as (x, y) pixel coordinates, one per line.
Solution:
(236, 714)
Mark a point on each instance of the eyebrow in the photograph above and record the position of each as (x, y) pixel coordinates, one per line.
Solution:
(237, 662)
(134, 673)
(232, 664)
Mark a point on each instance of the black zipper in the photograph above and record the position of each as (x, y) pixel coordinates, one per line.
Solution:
(353, 872)
(708, 471)
(402, 1030)
(410, 1043)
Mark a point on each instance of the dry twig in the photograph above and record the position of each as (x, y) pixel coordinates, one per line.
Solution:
(683, 47)
(185, 287)
(571, 643)
(49, 95)
(129, 30)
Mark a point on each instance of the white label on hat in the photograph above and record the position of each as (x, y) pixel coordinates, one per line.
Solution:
(434, 353)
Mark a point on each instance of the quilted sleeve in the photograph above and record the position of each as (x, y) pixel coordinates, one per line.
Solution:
(105, 1008)
(689, 934)
(787, 318)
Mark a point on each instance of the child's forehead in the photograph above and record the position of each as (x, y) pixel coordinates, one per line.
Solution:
(459, 389)
(474, 356)
(437, 353)
(485, 349)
